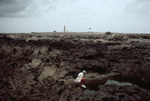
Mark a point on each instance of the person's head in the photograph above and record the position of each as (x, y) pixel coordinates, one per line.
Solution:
(84, 71)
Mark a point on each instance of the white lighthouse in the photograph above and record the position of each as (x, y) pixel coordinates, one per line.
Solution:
(64, 29)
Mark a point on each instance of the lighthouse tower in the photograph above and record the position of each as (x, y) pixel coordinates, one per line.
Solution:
(64, 29)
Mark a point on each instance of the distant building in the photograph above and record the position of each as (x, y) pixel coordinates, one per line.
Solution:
(90, 30)
(64, 29)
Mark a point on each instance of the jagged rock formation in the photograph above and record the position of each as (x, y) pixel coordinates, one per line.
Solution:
(42, 66)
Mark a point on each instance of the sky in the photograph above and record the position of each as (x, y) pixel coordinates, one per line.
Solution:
(25, 16)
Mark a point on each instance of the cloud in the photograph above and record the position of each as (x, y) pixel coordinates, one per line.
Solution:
(23, 8)
(139, 7)
(10, 8)
(28, 8)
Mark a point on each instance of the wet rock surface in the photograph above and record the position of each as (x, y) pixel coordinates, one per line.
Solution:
(41, 66)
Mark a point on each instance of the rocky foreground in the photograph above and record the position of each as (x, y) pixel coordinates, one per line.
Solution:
(42, 66)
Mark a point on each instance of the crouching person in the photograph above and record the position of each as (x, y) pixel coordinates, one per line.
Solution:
(80, 80)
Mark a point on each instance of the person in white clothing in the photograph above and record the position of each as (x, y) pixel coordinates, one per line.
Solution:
(80, 80)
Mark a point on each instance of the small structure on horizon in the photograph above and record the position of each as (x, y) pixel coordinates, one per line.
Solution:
(64, 29)
(89, 29)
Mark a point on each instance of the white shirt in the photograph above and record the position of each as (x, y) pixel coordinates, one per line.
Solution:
(80, 76)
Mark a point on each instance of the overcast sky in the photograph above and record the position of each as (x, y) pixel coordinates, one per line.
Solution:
(23, 16)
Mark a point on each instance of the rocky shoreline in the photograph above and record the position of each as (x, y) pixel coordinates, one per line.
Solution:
(41, 66)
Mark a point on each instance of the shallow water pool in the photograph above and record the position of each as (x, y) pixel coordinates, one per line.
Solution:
(92, 87)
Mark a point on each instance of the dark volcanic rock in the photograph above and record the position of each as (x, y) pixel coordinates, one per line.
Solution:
(42, 66)
(121, 93)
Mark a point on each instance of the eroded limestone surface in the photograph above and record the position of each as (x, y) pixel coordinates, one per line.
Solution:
(41, 66)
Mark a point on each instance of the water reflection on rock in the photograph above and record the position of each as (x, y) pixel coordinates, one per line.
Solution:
(109, 82)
